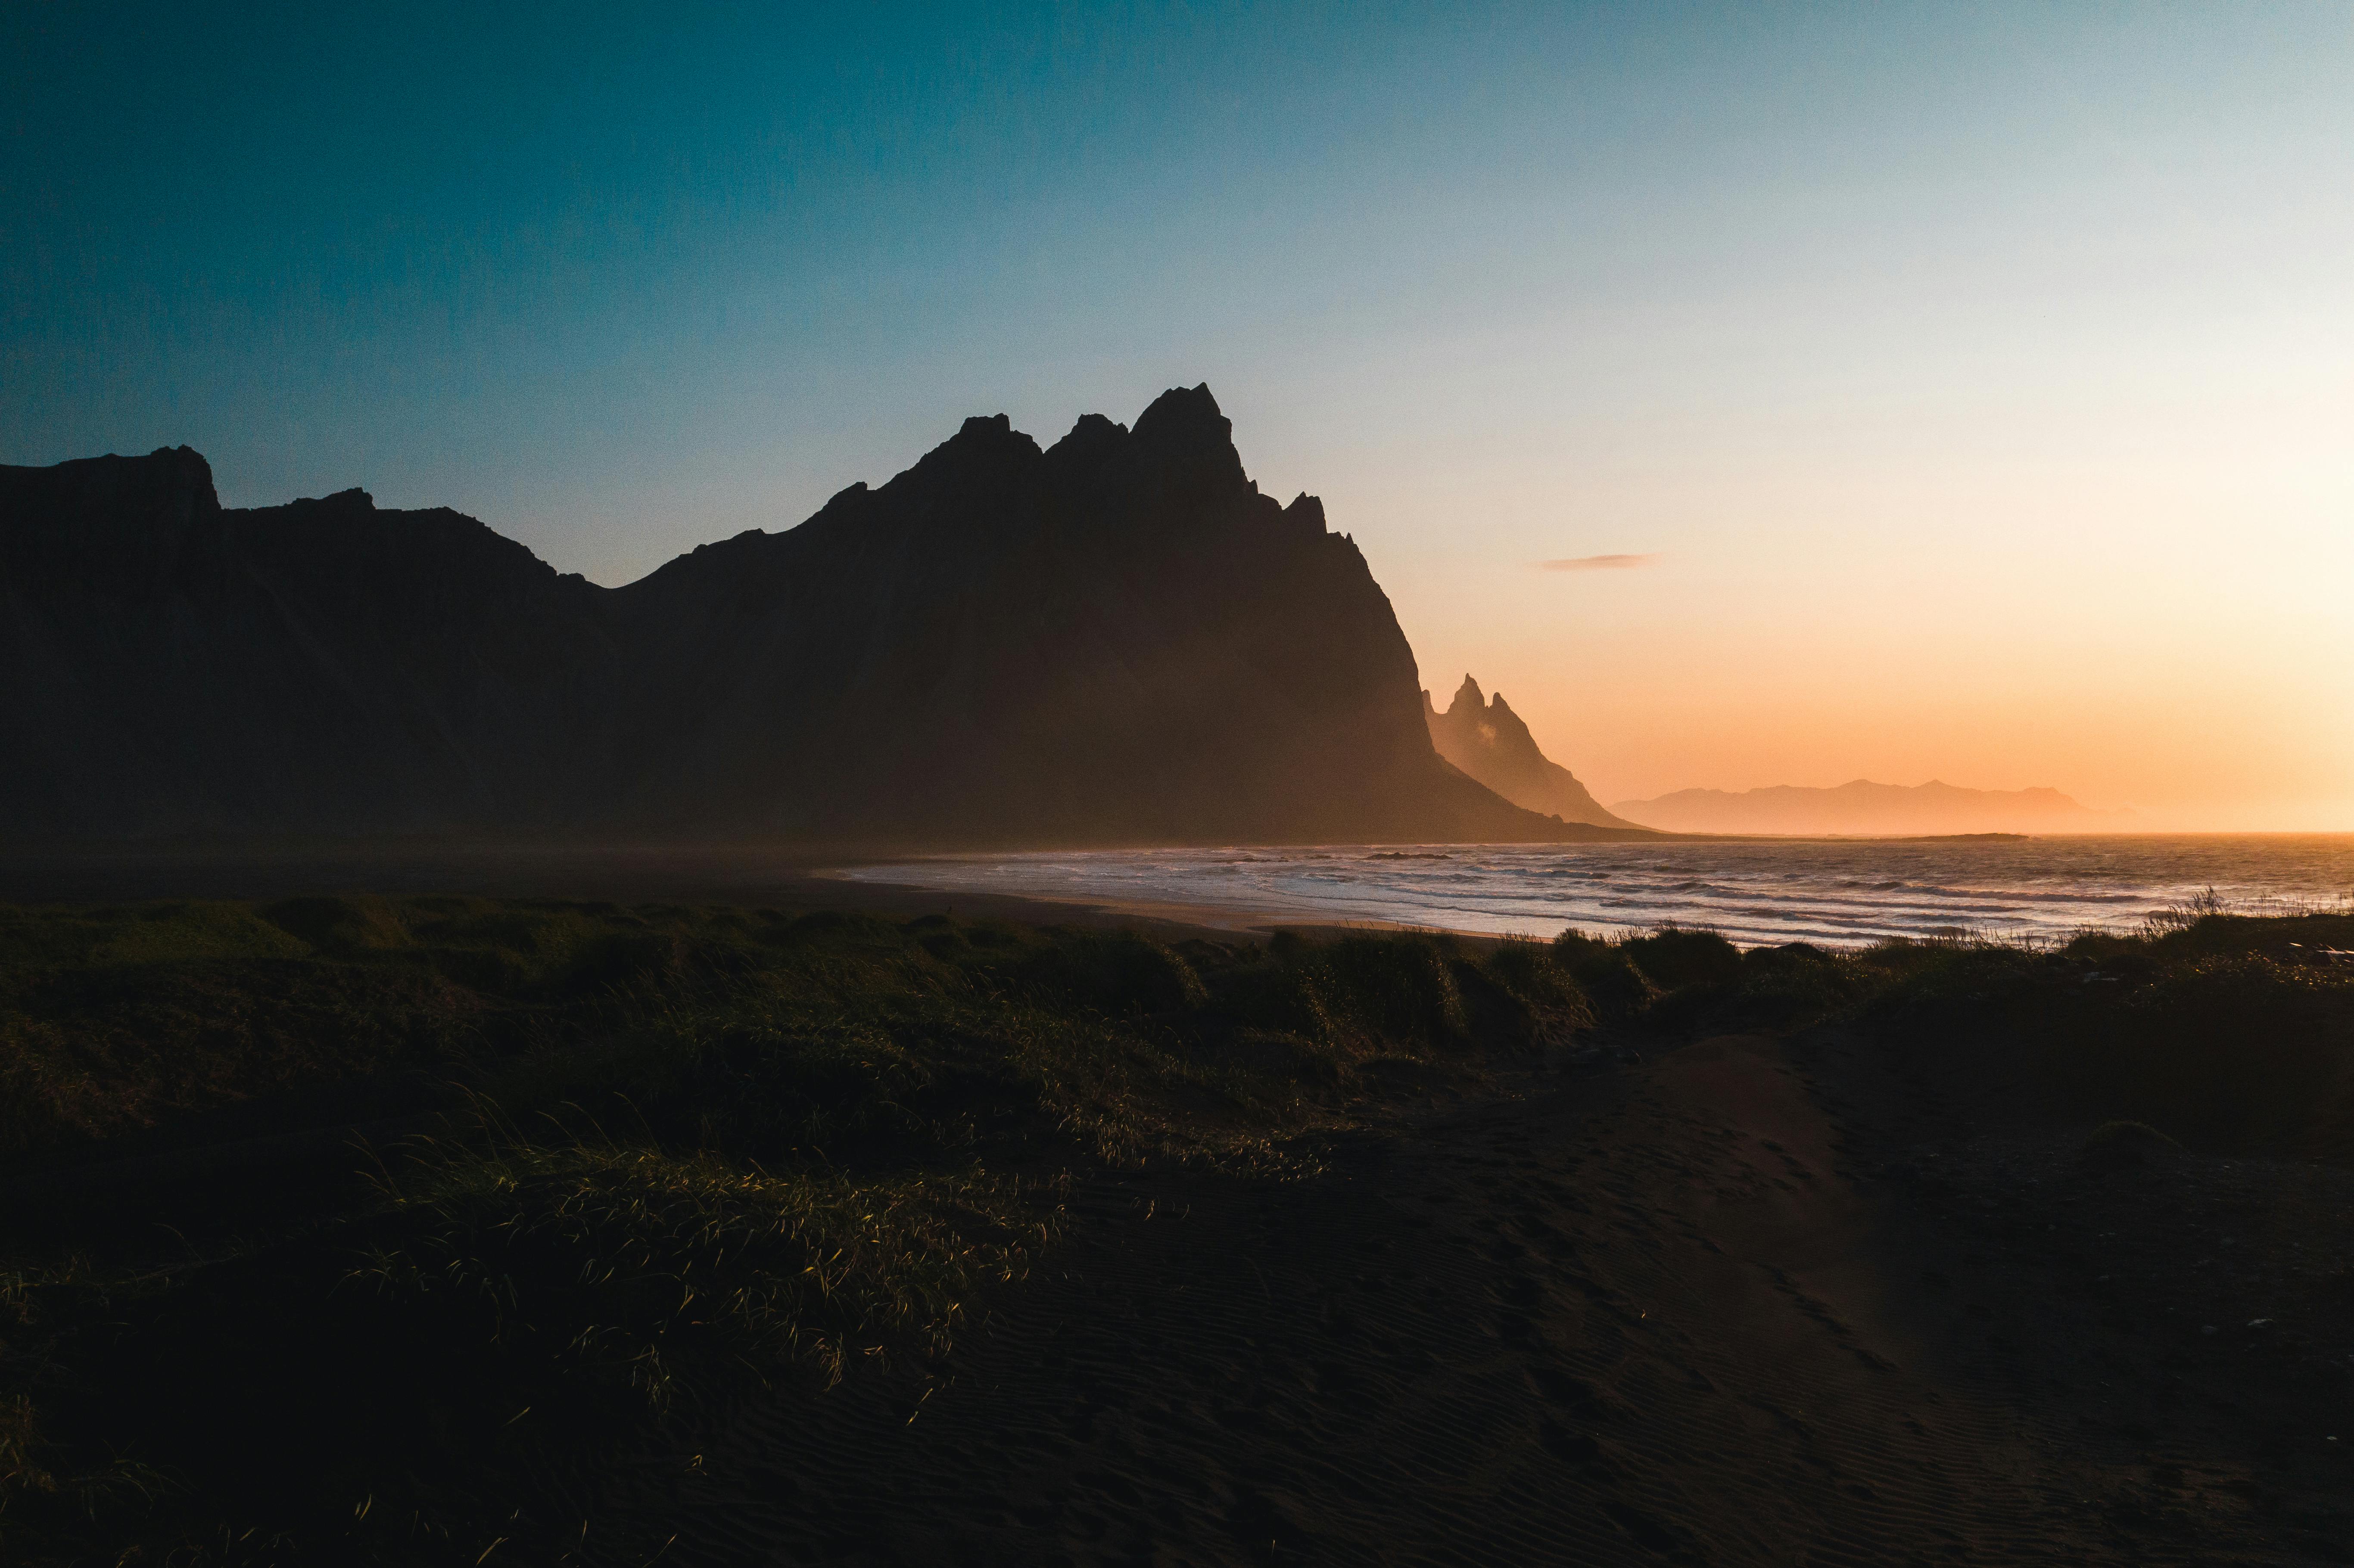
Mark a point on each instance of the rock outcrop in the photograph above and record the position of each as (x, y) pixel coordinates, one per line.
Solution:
(1487, 740)
(1114, 641)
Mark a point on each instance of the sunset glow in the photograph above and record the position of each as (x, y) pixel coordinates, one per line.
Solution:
(1901, 393)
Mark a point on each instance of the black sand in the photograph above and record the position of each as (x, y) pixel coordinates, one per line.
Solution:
(1743, 1300)
(1673, 1311)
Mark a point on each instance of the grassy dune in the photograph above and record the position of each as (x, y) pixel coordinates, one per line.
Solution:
(365, 1229)
(602, 1163)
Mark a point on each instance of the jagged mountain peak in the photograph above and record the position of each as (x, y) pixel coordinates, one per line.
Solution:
(1485, 738)
(1305, 513)
(983, 442)
(1188, 446)
(1185, 416)
(1092, 432)
(1119, 641)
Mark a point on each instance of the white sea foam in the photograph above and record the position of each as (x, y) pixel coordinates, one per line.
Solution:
(1836, 892)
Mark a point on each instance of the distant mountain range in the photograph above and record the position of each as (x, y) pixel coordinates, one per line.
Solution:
(1116, 640)
(1863, 807)
(1487, 740)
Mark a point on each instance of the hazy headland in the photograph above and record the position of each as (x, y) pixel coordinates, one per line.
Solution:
(1863, 808)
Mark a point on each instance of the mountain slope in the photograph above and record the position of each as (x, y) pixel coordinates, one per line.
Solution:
(173, 667)
(1116, 640)
(1487, 741)
(1862, 806)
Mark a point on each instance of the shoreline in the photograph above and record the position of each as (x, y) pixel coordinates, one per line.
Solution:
(2005, 888)
(1828, 891)
(1225, 919)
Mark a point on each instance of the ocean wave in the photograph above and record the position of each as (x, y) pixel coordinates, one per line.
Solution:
(1844, 895)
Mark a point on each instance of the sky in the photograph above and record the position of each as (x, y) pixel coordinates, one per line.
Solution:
(1972, 387)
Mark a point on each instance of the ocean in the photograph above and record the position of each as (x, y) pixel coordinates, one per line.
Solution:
(1837, 892)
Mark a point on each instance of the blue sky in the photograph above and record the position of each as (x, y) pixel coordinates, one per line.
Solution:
(1950, 359)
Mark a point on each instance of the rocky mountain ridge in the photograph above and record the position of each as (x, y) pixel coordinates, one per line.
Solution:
(1485, 739)
(1115, 640)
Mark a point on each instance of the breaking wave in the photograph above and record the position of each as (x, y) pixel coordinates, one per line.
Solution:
(1835, 893)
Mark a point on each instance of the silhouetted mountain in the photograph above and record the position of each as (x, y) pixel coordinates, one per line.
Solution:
(1487, 740)
(173, 667)
(1861, 807)
(1117, 640)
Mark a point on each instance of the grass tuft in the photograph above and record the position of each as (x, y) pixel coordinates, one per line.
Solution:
(623, 1261)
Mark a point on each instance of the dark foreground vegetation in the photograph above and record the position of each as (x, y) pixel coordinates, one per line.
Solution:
(371, 1230)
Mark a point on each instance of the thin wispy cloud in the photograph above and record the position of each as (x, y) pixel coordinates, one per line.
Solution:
(1596, 564)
